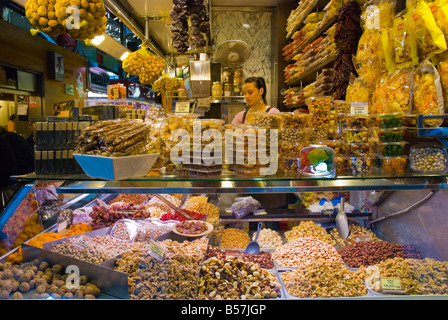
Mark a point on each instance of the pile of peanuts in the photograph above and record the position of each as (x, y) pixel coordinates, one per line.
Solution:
(233, 238)
(323, 279)
(268, 238)
(264, 259)
(233, 278)
(356, 233)
(367, 253)
(309, 229)
(298, 252)
(426, 276)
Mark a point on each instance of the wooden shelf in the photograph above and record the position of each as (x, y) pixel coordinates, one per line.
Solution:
(306, 75)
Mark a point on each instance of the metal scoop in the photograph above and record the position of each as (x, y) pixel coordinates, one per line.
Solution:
(341, 221)
(253, 247)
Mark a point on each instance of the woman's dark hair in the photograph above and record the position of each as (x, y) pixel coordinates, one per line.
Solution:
(12, 117)
(259, 83)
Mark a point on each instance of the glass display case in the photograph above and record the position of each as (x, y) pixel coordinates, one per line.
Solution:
(404, 209)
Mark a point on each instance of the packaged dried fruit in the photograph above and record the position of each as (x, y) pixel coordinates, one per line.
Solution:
(321, 120)
(390, 135)
(430, 38)
(358, 89)
(387, 121)
(290, 120)
(405, 43)
(341, 106)
(442, 67)
(392, 149)
(360, 165)
(267, 120)
(359, 149)
(356, 135)
(359, 122)
(290, 166)
(319, 104)
(393, 164)
(393, 92)
(428, 93)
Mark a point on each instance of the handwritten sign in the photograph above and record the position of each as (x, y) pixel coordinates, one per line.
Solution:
(156, 250)
(391, 285)
(182, 107)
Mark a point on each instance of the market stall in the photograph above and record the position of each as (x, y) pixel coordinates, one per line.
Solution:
(349, 184)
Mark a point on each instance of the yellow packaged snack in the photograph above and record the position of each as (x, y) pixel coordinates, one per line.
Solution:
(439, 15)
(379, 14)
(358, 91)
(428, 96)
(442, 67)
(393, 92)
(429, 37)
(387, 45)
(405, 44)
(315, 16)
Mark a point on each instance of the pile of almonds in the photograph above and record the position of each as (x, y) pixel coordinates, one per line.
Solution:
(367, 253)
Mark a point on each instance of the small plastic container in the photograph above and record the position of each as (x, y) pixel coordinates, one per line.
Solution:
(428, 158)
(359, 122)
(359, 149)
(391, 149)
(341, 106)
(290, 166)
(393, 164)
(124, 230)
(390, 135)
(360, 165)
(290, 151)
(267, 120)
(322, 134)
(321, 120)
(387, 121)
(319, 104)
(356, 135)
(293, 136)
(317, 161)
(291, 120)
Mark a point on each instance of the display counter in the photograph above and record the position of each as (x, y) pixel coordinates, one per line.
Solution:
(386, 220)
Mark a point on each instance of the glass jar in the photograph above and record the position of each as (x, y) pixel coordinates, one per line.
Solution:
(216, 90)
(226, 74)
(227, 89)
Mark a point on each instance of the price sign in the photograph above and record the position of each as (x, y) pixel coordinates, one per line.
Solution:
(82, 241)
(156, 250)
(362, 238)
(182, 107)
(359, 108)
(391, 285)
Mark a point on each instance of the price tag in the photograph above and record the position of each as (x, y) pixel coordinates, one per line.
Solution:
(362, 238)
(156, 250)
(391, 285)
(182, 107)
(82, 241)
(359, 108)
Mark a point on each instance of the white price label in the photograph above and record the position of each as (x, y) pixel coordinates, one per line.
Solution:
(82, 241)
(359, 108)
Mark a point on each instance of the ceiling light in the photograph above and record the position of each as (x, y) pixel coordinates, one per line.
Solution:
(98, 40)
